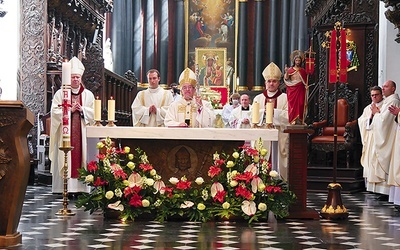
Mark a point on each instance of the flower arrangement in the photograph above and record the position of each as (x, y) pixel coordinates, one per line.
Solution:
(242, 186)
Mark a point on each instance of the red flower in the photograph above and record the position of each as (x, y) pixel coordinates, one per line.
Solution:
(273, 189)
(213, 171)
(101, 156)
(119, 173)
(136, 200)
(250, 151)
(183, 185)
(219, 196)
(92, 166)
(168, 191)
(244, 192)
(219, 162)
(246, 176)
(146, 167)
(99, 182)
(131, 190)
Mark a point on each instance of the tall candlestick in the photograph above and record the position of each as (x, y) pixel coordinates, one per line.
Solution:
(66, 73)
(97, 109)
(255, 113)
(111, 109)
(269, 112)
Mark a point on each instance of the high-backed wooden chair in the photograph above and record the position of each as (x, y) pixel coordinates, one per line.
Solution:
(323, 137)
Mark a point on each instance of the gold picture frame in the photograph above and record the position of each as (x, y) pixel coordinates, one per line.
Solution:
(211, 67)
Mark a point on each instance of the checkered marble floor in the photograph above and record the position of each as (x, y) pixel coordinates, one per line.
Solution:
(371, 224)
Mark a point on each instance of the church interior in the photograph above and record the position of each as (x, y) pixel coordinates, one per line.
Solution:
(118, 41)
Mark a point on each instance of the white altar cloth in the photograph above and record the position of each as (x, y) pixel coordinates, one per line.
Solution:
(177, 133)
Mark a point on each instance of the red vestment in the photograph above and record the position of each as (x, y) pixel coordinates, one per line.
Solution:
(296, 94)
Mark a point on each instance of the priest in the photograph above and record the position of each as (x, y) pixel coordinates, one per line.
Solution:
(191, 110)
(272, 75)
(82, 115)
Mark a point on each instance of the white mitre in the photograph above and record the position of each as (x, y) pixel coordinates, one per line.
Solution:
(188, 76)
(77, 67)
(272, 72)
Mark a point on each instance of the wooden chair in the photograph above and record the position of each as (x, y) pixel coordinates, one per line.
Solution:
(347, 127)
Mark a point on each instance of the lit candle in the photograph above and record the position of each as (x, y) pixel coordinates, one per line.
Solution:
(111, 109)
(237, 82)
(255, 113)
(66, 73)
(269, 112)
(97, 109)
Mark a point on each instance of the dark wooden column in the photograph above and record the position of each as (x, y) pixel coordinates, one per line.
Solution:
(15, 122)
(297, 173)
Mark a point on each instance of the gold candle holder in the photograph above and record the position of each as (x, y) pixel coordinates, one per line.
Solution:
(111, 123)
(97, 123)
(65, 211)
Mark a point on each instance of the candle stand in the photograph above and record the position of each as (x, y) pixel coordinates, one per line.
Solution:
(111, 123)
(65, 211)
(97, 123)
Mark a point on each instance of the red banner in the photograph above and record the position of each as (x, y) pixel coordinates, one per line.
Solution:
(333, 59)
(310, 65)
(343, 57)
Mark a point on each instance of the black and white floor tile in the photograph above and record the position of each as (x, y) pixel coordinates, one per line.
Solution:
(372, 224)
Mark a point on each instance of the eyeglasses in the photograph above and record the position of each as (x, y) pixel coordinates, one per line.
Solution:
(373, 95)
(187, 88)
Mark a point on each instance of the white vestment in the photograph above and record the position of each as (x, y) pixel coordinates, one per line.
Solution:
(280, 121)
(141, 117)
(182, 110)
(394, 174)
(237, 116)
(384, 132)
(226, 114)
(55, 154)
(368, 159)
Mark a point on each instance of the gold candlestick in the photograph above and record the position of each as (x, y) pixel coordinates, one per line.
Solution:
(65, 211)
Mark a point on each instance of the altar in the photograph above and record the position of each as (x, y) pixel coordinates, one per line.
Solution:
(175, 152)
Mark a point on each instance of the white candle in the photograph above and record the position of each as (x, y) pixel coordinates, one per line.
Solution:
(111, 109)
(269, 112)
(97, 109)
(237, 82)
(255, 113)
(66, 124)
(66, 73)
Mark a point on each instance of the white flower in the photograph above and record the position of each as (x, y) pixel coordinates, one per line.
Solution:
(204, 194)
(230, 164)
(116, 206)
(187, 204)
(264, 152)
(201, 206)
(109, 195)
(135, 180)
(89, 179)
(252, 169)
(127, 149)
(130, 156)
(173, 180)
(262, 206)
(215, 188)
(233, 183)
(256, 182)
(118, 192)
(149, 182)
(235, 155)
(249, 207)
(143, 158)
(130, 165)
(145, 203)
(215, 156)
(273, 174)
(153, 172)
(158, 186)
(199, 180)
(226, 205)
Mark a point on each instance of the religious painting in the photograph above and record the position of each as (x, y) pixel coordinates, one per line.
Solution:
(210, 66)
(211, 24)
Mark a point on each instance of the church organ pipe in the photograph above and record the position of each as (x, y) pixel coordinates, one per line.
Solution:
(258, 52)
(163, 38)
(242, 45)
(303, 42)
(285, 53)
(294, 22)
(273, 33)
(179, 38)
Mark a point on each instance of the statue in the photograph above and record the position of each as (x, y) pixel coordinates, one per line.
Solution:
(296, 81)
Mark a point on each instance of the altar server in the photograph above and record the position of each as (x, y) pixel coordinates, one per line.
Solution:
(82, 115)
(150, 105)
(191, 110)
(272, 75)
